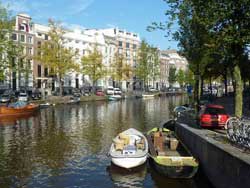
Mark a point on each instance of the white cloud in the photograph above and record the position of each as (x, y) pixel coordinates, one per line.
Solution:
(79, 6)
(44, 9)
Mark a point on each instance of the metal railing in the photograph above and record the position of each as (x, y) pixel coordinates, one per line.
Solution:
(238, 131)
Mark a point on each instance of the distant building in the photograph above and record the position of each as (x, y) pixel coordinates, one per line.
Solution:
(170, 58)
(22, 76)
(109, 42)
(126, 44)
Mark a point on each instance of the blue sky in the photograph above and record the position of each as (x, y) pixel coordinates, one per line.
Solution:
(132, 15)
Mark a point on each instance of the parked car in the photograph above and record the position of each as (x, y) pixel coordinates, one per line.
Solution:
(152, 89)
(5, 98)
(213, 116)
(117, 91)
(100, 93)
(36, 95)
(23, 97)
(110, 90)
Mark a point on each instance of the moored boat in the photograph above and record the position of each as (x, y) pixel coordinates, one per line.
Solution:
(148, 96)
(18, 109)
(169, 155)
(114, 97)
(129, 149)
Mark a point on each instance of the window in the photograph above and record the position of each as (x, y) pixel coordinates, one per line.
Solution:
(127, 45)
(22, 38)
(127, 53)
(30, 51)
(134, 54)
(30, 39)
(46, 37)
(120, 43)
(14, 36)
(134, 46)
(77, 41)
(39, 84)
(39, 43)
(21, 27)
(120, 50)
(39, 72)
(46, 72)
(83, 52)
(39, 34)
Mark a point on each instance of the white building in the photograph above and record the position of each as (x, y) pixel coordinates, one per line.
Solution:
(170, 58)
(126, 44)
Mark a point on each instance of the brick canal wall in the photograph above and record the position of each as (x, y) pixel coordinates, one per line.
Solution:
(224, 165)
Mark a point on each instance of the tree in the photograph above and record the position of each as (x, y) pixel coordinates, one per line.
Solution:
(217, 27)
(54, 55)
(93, 67)
(120, 70)
(180, 77)
(172, 75)
(142, 69)
(189, 77)
(8, 50)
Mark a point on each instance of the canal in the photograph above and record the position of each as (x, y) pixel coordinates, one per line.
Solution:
(67, 146)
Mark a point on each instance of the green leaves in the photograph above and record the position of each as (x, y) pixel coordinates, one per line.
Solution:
(92, 65)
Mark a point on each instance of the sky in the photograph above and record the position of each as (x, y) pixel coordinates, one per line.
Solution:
(131, 15)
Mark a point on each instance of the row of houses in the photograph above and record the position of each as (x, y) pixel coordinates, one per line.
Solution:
(109, 42)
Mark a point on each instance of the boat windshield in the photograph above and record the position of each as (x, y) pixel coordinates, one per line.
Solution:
(18, 104)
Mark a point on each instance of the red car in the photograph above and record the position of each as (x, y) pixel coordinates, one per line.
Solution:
(100, 93)
(213, 116)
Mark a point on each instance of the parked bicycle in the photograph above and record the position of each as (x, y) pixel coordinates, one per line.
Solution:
(238, 131)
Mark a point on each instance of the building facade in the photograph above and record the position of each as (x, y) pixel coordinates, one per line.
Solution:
(20, 76)
(170, 58)
(109, 42)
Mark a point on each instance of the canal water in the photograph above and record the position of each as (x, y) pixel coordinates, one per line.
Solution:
(67, 146)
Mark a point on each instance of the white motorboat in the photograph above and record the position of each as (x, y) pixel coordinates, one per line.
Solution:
(129, 149)
(114, 97)
(148, 96)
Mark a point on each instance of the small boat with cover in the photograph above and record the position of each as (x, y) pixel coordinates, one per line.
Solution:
(129, 149)
(169, 155)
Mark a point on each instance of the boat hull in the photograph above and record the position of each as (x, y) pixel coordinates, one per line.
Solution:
(114, 97)
(169, 156)
(9, 111)
(129, 162)
(174, 171)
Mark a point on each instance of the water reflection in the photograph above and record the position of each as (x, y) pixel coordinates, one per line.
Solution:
(132, 178)
(66, 146)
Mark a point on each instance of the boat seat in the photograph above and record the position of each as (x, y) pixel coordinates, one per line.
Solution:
(140, 144)
(119, 144)
(159, 142)
(125, 138)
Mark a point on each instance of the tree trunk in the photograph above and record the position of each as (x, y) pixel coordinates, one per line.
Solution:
(202, 84)
(60, 86)
(196, 94)
(238, 92)
(225, 83)
(210, 85)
